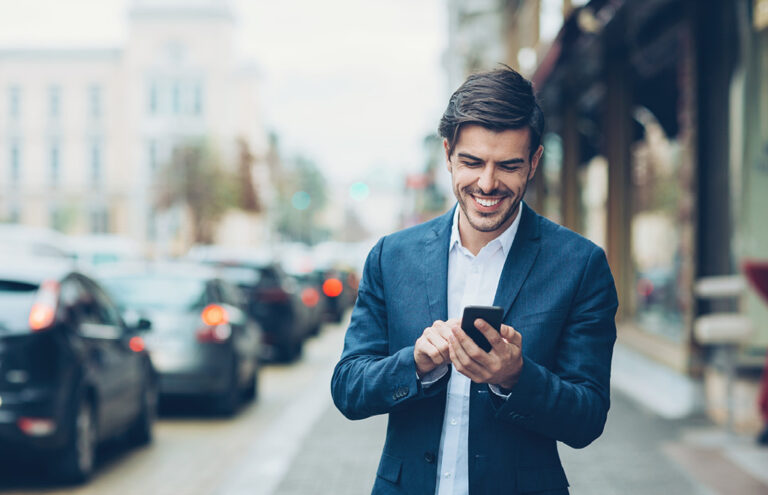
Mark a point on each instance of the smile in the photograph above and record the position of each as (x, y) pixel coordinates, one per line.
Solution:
(487, 203)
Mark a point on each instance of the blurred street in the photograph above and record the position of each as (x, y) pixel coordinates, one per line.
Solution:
(292, 441)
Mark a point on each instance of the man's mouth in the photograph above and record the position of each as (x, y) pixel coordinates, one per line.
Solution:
(486, 204)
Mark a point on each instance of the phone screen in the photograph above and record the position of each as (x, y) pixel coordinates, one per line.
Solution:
(491, 314)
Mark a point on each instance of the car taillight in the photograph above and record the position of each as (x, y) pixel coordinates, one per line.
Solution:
(333, 287)
(273, 295)
(136, 344)
(36, 427)
(43, 311)
(216, 327)
(213, 315)
(310, 297)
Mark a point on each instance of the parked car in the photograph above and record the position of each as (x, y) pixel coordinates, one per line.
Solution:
(273, 297)
(71, 373)
(202, 341)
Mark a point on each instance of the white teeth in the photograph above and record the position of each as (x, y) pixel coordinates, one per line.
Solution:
(487, 202)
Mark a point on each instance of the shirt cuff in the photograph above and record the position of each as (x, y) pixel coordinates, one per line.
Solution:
(497, 390)
(433, 376)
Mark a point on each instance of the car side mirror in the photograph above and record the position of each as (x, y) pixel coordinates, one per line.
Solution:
(143, 324)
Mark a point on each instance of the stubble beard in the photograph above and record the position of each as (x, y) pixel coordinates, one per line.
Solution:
(465, 197)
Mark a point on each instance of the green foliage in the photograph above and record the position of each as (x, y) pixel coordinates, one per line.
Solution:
(196, 178)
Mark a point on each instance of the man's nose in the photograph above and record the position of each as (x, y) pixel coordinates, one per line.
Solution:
(487, 180)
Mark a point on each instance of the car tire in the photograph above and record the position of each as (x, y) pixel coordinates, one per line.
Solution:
(229, 400)
(77, 461)
(251, 391)
(140, 432)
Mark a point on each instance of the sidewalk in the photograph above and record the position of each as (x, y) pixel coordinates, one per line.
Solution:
(641, 452)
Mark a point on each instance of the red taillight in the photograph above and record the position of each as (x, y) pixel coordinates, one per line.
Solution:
(213, 315)
(217, 334)
(136, 344)
(216, 327)
(310, 297)
(36, 427)
(273, 295)
(43, 311)
(333, 287)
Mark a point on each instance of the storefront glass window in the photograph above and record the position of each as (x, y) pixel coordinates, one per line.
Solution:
(661, 224)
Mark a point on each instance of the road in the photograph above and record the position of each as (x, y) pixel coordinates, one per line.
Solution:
(197, 452)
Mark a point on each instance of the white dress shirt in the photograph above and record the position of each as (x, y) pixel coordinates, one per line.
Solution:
(472, 280)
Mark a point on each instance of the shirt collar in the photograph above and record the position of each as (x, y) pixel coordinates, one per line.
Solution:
(506, 238)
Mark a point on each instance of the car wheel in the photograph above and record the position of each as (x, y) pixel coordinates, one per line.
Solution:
(78, 458)
(251, 391)
(140, 432)
(229, 400)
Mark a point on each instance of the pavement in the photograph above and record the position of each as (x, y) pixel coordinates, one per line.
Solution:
(643, 450)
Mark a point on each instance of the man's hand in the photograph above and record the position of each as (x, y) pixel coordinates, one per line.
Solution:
(431, 349)
(501, 366)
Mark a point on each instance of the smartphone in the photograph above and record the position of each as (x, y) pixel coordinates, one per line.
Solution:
(491, 314)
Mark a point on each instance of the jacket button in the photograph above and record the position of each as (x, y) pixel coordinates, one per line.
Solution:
(429, 457)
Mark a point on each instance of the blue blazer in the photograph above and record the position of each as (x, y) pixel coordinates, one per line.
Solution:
(556, 290)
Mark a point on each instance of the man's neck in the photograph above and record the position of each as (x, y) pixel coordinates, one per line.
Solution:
(474, 240)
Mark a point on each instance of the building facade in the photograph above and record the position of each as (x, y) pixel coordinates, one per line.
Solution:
(84, 133)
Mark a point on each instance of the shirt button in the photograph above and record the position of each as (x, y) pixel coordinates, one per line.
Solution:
(453, 421)
(446, 475)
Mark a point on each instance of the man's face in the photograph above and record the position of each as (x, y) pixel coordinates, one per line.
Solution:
(490, 172)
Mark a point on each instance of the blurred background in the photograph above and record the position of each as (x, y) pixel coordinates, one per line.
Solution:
(274, 142)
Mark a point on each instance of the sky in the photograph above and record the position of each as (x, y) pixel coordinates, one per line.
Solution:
(354, 85)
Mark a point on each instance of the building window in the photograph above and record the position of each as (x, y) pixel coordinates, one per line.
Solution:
(14, 102)
(176, 98)
(99, 220)
(197, 99)
(57, 220)
(54, 102)
(154, 95)
(54, 164)
(152, 156)
(96, 163)
(14, 213)
(15, 162)
(95, 101)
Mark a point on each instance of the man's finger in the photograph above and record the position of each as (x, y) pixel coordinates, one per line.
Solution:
(471, 349)
(490, 333)
(512, 335)
(463, 362)
(439, 343)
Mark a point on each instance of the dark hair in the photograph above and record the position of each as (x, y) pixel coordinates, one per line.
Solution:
(498, 100)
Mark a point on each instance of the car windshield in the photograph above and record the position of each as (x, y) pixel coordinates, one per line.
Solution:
(16, 299)
(155, 291)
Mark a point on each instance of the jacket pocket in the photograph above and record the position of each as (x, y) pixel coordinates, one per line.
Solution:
(389, 468)
(541, 479)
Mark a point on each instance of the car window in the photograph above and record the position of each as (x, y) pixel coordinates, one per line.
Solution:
(230, 294)
(16, 300)
(98, 307)
(155, 291)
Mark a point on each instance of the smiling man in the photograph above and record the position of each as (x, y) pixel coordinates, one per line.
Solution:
(463, 420)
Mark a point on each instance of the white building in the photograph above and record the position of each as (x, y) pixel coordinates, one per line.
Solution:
(83, 132)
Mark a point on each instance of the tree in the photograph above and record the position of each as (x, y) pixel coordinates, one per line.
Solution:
(196, 178)
(302, 195)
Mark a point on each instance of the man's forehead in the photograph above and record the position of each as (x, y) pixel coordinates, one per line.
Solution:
(489, 141)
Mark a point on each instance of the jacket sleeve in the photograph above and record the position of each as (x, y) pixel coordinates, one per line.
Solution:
(569, 401)
(368, 379)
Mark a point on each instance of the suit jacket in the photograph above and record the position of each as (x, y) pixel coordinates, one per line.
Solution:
(556, 290)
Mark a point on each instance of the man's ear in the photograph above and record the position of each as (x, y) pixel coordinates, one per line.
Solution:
(535, 161)
(447, 148)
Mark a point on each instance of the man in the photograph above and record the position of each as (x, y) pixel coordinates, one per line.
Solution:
(462, 420)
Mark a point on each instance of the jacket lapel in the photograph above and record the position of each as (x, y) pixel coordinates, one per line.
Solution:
(435, 265)
(520, 259)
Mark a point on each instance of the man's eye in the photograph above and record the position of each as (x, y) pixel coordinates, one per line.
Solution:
(472, 164)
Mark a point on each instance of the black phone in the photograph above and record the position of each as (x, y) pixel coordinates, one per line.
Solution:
(491, 314)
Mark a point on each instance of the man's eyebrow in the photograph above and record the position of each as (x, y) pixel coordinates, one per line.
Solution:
(511, 161)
